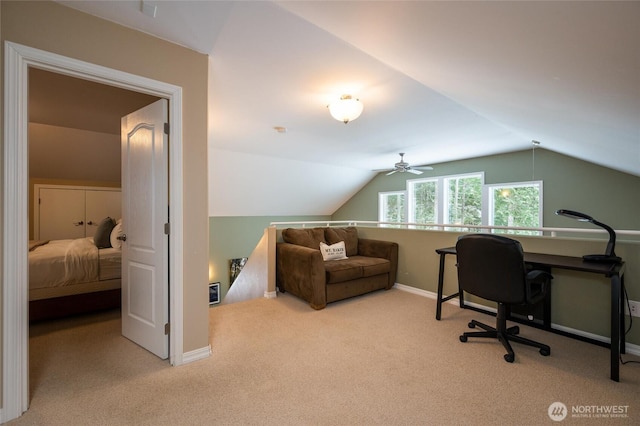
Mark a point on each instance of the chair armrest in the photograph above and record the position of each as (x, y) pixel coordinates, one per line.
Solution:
(300, 270)
(383, 249)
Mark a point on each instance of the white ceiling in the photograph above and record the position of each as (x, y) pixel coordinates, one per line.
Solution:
(440, 81)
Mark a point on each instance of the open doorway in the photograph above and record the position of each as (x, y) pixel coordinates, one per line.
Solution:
(15, 206)
(74, 186)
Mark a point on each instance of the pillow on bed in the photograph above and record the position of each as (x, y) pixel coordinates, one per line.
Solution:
(115, 233)
(102, 237)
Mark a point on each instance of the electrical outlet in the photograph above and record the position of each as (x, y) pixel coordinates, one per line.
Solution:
(634, 308)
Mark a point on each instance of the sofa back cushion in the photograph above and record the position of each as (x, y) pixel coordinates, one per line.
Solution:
(349, 235)
(307, 237)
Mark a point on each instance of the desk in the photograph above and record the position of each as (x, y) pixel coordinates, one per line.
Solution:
(614, 271)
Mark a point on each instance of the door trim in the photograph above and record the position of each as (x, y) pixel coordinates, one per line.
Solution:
(15, 226)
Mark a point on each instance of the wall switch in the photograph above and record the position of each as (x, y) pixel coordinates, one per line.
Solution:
(634, 308)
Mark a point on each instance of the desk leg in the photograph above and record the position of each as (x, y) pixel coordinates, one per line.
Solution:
(615, 327)
(623, 343)
(440, 286)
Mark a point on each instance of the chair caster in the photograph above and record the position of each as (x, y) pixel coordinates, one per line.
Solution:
(509, 357)
(545, 352)
(472, 325)
(463, 338)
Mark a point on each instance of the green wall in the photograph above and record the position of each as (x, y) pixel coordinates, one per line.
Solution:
(235, 237)
(579, 301)
(611, 197)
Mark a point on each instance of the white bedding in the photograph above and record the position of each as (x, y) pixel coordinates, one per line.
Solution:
(68, 262)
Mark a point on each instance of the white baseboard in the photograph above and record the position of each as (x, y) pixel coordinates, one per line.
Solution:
(270, 294)
(196, 355)
(630, 347)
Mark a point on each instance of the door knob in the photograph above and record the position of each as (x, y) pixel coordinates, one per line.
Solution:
(122, 237)
(78, 223)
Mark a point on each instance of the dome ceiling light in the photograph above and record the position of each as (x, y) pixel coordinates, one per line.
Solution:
(346, 109)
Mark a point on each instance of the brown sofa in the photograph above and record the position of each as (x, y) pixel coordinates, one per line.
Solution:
(301, 270)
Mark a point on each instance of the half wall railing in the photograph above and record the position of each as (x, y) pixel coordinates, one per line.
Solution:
(257, 278)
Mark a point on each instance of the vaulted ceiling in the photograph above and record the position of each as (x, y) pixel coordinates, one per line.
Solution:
(440, 81)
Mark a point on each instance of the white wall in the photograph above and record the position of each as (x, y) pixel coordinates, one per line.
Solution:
(242, 184)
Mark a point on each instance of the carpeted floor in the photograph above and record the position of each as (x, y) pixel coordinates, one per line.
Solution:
(376, 359)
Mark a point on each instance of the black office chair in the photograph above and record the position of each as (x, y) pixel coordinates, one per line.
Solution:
(492, 267)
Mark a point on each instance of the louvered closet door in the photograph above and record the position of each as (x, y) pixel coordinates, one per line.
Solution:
(61, 214)
(101, 204)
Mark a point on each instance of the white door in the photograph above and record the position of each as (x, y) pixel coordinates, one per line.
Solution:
(61, 214)
(99, 205)
(145, 281)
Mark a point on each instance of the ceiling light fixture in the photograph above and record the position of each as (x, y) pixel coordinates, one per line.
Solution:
(346, 109)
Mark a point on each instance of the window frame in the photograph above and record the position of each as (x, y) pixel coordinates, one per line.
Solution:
(381, 204)
(489, 201)
(442, 200)
(442, 195)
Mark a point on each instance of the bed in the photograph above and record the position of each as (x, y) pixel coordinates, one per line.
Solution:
(68, 277)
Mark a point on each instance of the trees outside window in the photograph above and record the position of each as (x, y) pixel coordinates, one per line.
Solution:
(423, 200)
(463, 200)
(516, 205)
(460, 200)
(392, 207)
(455, 200)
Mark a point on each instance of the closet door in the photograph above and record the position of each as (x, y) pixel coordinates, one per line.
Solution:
(101, 204)
(61, 214)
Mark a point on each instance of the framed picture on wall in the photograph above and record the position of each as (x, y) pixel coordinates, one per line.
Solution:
(235, 266)
(214, 293)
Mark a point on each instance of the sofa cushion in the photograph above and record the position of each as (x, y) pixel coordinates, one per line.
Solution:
(333, 252)
(307, 237)
(348, 235)
(375, 266)
(355, 267)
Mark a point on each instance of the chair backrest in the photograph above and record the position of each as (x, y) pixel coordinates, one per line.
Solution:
(492, 267)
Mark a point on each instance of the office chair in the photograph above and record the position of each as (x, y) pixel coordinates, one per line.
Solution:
(492, 267)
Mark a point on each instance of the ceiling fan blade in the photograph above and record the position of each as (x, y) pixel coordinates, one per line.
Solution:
(423, 167)
(391, 172)
(415, 172)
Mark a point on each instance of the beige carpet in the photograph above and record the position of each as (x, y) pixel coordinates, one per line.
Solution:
(377, 359)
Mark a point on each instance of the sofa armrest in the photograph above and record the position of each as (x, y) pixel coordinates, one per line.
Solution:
(383, 249)
(300, 270)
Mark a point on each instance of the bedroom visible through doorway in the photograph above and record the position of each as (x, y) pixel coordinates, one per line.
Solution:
(18, 59)
(75, 146)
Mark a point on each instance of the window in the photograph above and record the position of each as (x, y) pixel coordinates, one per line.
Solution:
(463, 200)
(423, 200)
(516, 204)
(391, 207)
(459, 200)
(449, 199)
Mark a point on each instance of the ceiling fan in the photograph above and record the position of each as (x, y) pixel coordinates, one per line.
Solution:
(403, 166)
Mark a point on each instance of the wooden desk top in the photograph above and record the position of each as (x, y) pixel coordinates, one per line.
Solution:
(562, 262)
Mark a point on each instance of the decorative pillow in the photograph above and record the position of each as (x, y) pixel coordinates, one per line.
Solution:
(334, 251)
(304, 237)
(115, 233)
(102, 237)
(348, 235)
